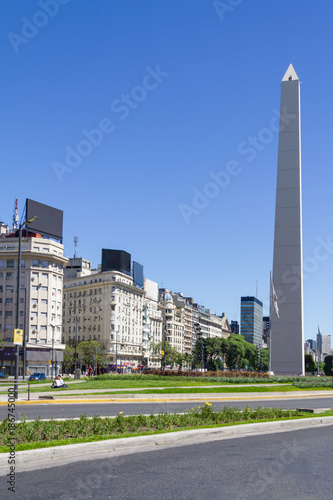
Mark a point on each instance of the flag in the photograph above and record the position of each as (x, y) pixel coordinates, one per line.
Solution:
(275, 300)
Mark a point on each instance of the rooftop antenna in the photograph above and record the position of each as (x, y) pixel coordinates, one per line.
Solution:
(15, 216)
(76, 244)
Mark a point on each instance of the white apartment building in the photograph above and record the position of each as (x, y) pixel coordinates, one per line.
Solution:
(40, 307)
(173, 320)
(109, 308)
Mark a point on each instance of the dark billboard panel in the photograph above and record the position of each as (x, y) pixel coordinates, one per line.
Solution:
(49, 222)
(138, 274)
(116, 260)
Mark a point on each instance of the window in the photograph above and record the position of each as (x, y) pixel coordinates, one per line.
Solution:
(9, 275)
(44, 288)
(22, 262)
(35, 275)
(10, 264)
(34, 263)
(8, 327)
(10, 288)
(34, 287)
(44, 315)
(8, 314)
(44, 301)
(33, 341)
(43, 328)
(45, 275)
(34, 301)
(46, 249)
(1, 264)
(42, 341)
(35, 249)
(33, 314)
(45, 263)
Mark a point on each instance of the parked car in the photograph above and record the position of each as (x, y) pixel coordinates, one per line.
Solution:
(2, 375)
(37, 376)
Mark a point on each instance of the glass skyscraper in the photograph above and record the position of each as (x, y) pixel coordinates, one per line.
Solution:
(251, 320)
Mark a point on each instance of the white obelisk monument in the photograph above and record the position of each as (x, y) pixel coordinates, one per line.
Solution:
(287, 336)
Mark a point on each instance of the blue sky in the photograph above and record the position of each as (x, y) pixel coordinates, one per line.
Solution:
(176, 89)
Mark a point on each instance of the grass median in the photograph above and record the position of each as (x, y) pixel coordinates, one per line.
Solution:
(41, 434)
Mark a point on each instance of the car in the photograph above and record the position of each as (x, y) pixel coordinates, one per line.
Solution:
(2, 375)
(37, 376)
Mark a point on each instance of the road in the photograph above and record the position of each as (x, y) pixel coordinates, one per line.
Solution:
(58, 410)
(290, 465)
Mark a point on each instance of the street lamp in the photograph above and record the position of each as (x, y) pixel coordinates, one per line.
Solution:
(17, 352)
(52, 361)
(75, 360)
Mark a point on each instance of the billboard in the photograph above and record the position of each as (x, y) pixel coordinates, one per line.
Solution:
(49, 222)
(151, 289)
(138, 274)
(116, 260)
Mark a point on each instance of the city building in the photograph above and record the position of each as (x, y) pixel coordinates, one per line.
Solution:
(234, 327)
(287, 335)
(323, 345)
(265, 330)
(251, 320)
(40, 304)
(108, 307)
(76, 268)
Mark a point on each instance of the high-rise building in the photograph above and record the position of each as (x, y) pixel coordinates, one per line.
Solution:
(265, 329)
(234, 326)
(40, 304)
(323, 345)
(251, 320)
(287, 337)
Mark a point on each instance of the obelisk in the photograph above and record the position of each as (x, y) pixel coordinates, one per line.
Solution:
(287, 336)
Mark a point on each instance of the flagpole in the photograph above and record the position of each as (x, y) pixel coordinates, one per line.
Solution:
(270, 323)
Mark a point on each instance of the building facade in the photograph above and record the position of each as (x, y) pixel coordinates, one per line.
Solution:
(109, 308)
(251, 320)
(40, 301)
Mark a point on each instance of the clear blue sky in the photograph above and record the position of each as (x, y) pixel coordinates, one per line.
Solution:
(217, 83)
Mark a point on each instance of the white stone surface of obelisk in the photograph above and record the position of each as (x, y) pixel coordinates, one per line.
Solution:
(287, 336)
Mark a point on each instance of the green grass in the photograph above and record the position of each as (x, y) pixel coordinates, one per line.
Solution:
(40, 434)
(137, 381)
(127, 382)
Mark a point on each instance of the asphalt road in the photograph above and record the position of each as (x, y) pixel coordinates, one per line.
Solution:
(58, 410)
(294, 465)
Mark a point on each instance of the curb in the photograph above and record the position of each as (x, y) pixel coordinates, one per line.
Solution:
(156, 398)
(61, 455)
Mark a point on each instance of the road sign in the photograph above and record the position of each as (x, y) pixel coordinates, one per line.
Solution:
(18, 336)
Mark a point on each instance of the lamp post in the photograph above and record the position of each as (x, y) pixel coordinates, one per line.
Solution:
(52, 360)
(17, 351)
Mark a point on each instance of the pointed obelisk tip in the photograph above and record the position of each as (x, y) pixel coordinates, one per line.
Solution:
(290, 74)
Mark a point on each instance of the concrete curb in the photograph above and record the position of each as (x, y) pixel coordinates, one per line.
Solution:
(61, 455)
(176, 398)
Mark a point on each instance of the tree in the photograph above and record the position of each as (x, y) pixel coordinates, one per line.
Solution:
(68, 357)
(265, 359)
(171, 356)
(310, 365)
(86, 351)
(328, 366)
(213, 354)
(235, 351)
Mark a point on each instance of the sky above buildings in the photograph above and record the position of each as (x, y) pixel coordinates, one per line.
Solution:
(152, 125)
